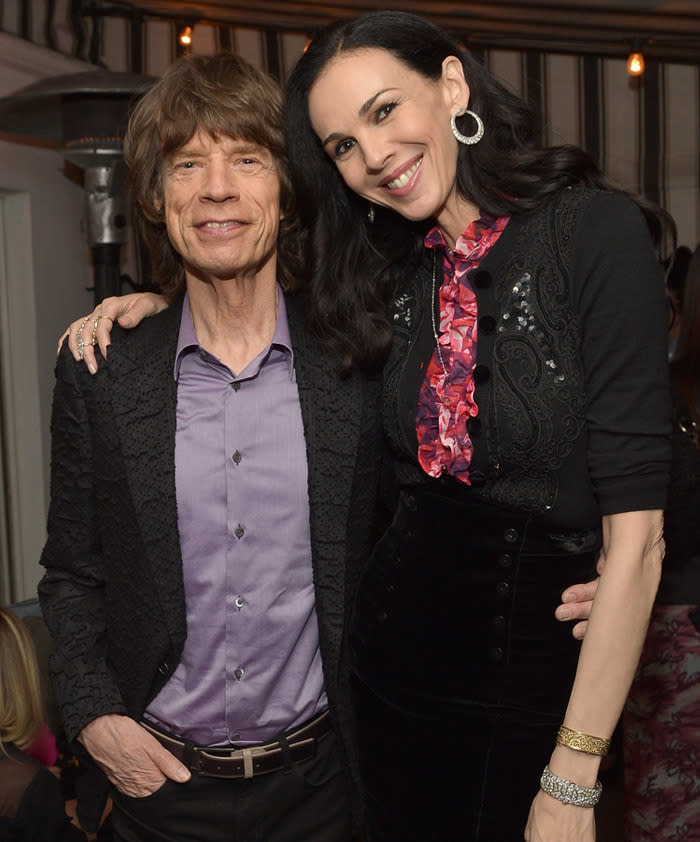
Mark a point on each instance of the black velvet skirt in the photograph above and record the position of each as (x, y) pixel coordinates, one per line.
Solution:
(461, 673)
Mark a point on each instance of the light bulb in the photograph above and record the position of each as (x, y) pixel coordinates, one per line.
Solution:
(185, 37)
(635, 64)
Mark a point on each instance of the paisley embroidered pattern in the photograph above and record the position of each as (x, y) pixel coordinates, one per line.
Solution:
(537, 400)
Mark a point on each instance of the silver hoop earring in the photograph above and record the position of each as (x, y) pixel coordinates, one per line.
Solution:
(370, 213)
(467, 140)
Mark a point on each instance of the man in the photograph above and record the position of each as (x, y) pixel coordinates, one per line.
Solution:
(212, 491)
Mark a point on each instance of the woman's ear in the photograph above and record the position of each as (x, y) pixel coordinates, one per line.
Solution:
(455, 85)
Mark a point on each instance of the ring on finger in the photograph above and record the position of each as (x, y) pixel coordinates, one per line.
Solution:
(79, 332)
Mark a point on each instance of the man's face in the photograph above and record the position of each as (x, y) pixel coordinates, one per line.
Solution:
(222, 207)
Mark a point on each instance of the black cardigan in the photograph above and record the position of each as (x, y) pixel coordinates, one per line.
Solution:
(571, 376)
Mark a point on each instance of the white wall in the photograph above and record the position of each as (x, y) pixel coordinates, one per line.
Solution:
(50, 250)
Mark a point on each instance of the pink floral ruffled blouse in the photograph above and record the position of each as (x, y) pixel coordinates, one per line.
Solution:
(446, 402)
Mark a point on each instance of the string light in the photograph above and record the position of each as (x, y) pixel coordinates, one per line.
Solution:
(185, 37)
(635, 64)
(635, 60)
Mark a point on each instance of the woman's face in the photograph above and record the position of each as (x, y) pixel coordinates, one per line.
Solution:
(387, 128)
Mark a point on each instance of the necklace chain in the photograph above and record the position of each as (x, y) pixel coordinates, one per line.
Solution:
(435, 306)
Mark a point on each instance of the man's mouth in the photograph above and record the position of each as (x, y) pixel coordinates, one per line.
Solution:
(219, 224)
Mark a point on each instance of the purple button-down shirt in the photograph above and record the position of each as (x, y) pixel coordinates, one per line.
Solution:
(251, 665)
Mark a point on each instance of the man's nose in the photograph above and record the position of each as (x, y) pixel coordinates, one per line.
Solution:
(220, 182)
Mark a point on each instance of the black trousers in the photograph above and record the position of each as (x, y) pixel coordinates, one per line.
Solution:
(307, 802)
(461, 672)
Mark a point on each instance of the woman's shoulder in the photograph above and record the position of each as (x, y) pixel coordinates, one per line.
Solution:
(587, 200)
(38, 810)
(18, 771)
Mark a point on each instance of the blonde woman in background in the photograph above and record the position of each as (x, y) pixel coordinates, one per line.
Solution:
(31, 802)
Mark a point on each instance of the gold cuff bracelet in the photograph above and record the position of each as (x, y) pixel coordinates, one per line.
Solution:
(582, 742)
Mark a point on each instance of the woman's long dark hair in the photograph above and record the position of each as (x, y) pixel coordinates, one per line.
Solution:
(685, 368)
(355, 266)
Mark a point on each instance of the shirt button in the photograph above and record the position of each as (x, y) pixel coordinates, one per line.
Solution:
(239, 672)
(510, 535)
(481, 374)
(411, 503)
(502, 589)
(480, 278)
(239, 531)
(237, 457)
(498, 622)
(235, 386)
(487, 324)
(474, 426)
(496, 655)
(505, 560)
(239, 602)
(477, 478)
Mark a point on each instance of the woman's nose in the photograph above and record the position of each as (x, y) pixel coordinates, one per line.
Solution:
(376, 155)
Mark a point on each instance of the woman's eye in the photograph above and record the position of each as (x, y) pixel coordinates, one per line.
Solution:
(343, 147)
(386, 109)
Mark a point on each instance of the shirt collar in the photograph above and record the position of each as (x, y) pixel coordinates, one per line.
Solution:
(187, 338)
(470, 237)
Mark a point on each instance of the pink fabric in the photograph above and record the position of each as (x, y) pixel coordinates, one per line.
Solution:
(445, 403)
(662, 732)
(44, 748)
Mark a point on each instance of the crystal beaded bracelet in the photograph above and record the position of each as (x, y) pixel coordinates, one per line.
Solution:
(569, 792)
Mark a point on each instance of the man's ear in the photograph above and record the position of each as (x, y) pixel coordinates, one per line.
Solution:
(455, 85)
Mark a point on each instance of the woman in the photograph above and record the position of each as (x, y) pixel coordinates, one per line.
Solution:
(518, 457)
(517, 453)
(662, 714)
(32, 808)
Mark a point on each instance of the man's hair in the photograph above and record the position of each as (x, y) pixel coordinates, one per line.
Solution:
(224, 96)
(21, 713)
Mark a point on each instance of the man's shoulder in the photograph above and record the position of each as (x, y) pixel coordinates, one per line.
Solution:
(151, 329)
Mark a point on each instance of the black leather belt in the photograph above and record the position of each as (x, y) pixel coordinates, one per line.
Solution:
(247, 762)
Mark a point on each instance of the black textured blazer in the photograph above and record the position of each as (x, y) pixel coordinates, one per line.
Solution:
(112, 593)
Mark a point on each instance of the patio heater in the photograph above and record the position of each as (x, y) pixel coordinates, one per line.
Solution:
(84, 116)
